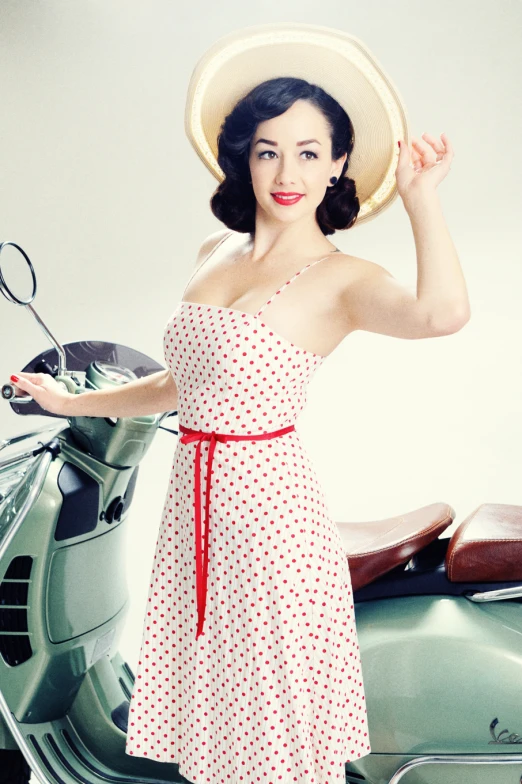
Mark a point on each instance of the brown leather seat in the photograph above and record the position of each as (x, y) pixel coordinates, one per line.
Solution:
(487, 545)
(375, 547)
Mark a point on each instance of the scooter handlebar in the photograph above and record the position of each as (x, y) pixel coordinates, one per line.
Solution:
(8, 393)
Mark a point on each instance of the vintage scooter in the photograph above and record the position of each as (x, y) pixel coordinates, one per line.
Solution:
(439, 619)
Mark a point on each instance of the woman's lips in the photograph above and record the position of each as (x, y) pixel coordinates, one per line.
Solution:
(282, 200)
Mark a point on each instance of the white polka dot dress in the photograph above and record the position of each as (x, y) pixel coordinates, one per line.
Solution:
(249, 668)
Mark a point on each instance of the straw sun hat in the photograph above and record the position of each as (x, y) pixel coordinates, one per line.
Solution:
(336, 61)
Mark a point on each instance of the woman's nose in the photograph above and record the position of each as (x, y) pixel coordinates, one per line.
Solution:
(286, 174)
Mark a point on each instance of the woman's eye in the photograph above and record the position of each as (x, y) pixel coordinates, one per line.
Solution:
(271, 152)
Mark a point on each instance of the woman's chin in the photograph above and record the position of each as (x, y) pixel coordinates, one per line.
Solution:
(288, 213)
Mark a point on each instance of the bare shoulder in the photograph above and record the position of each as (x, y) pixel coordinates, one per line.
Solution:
(355, 274)
(210, 243)
(361, 268)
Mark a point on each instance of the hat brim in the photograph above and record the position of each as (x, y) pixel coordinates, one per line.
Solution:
(336, 61)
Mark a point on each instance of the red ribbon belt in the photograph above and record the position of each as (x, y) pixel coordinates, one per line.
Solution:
(199, 436)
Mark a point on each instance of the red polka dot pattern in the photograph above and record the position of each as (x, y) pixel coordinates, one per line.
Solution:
(272, 692)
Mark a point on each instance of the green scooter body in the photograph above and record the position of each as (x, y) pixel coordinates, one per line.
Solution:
(441, 672)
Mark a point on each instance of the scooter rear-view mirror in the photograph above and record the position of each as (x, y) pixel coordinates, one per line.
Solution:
(14, 276)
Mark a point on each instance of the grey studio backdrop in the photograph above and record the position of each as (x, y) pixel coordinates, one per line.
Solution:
(101, 187)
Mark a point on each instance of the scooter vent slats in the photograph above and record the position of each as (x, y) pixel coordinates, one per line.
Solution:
(13, 593)
(15, 645)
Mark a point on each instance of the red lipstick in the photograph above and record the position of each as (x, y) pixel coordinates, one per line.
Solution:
(286, 198)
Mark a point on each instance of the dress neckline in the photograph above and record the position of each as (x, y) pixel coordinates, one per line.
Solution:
(320, 357)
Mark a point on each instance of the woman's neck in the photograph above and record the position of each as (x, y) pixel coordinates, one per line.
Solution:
(271, 243)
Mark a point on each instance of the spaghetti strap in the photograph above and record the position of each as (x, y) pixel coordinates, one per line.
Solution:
(216, 246)
(279, 290)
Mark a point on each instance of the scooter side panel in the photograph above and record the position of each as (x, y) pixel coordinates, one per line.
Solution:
(440, 674)
(78, 598)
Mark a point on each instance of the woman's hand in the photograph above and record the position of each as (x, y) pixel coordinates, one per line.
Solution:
(419, 174)
(43, 388)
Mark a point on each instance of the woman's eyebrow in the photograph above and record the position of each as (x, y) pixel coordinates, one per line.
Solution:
(298, 144)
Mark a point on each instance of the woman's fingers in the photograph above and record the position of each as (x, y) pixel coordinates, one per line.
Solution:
(430, 151)
(437, 145)
(29, 376)
(22, 383)
(30, 382)
(22, 379)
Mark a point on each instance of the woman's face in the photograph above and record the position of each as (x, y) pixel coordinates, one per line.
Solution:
(281, 163)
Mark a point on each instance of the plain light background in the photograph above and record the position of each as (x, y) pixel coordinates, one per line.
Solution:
(104, 192)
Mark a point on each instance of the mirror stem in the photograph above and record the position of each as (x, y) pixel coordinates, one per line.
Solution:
(58, 346)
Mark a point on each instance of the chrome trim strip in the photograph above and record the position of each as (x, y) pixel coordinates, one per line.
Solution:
(459, 759)
(496, 595)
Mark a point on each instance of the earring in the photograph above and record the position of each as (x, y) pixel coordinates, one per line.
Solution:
(333, 180)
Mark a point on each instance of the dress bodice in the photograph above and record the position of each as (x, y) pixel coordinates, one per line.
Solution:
(234, 373)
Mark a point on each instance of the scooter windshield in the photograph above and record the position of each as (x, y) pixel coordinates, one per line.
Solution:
(78, 356)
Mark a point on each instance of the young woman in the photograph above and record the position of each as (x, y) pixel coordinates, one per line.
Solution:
(250, 668)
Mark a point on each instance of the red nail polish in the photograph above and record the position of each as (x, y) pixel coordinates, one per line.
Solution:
(399, 145)
(14, 378)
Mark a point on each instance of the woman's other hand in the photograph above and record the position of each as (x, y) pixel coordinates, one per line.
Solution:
(43, 388)
(419, 172)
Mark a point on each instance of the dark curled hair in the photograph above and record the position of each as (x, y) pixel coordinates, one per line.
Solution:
(234, 201)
